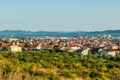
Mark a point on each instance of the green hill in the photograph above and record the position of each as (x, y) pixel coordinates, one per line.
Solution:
(51, 65)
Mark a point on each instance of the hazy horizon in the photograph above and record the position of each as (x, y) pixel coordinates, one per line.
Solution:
(58, 31)
(61, 15)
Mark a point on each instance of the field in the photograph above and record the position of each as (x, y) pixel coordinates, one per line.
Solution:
(51, 65)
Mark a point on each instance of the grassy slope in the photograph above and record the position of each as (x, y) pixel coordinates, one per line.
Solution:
(49, 65)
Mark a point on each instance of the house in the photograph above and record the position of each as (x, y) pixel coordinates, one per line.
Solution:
(82, 52)
(100, 45)
(68, 49)
(119, 47)
(15, 48)
(113, 46)
(74, 48)
(95, 50)
(86, 47)
(108, 52)
(39, 47)
(3, 45)
(62, 48)
(117, 51)
(35, 47)
(12, 39)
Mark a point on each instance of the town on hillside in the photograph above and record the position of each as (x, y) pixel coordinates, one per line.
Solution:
(81, 45)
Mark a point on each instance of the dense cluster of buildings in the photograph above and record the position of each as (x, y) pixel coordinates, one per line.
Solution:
(81, 45)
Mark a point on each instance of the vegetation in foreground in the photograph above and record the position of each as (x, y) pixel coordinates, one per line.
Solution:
(51, 65)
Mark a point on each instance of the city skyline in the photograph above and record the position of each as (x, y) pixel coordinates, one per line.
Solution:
(62, 15)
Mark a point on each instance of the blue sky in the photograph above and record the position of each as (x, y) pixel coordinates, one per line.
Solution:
(60, 15)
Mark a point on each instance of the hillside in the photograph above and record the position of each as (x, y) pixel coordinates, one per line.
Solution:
(51, 65)
(20, 33)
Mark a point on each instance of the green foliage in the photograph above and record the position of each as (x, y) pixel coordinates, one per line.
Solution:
(0, 49)
(7, 48)
(51, 65)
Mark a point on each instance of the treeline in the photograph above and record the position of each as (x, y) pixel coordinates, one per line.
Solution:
(51, 65)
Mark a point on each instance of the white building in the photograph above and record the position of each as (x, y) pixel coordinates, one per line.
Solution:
(15, 48)
(108, 52)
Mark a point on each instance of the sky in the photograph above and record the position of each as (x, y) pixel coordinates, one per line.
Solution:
(60, 15)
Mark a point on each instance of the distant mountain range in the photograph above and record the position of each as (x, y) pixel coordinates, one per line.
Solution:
(20, 33)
